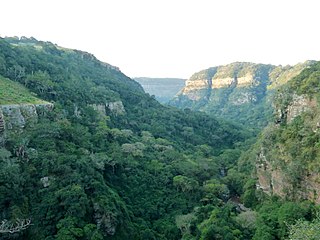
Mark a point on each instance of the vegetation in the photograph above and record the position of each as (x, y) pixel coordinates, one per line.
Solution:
(86, 170)
(305, 230)
(14, 93)
(85, 174)
(250, 104)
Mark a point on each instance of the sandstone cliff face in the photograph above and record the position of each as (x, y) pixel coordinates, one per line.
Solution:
(270, 180)
(116, 108)
(241, 75)
(274, 181)
(18, 116)
(236, 91)
(299, 105)
(235, 74)
(288, 166)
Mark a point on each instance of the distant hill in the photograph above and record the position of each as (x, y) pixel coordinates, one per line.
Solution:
(164, 89)
(239, 91)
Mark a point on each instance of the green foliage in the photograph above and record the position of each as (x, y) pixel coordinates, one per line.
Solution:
(14, 93)
(274, 216)
(152, 172)
(94, 174)
(247, 105)
(305, 230)
(308, 81)
(249, 197)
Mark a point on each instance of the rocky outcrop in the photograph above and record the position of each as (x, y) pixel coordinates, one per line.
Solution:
(273, 181)
(298, 105)
(270, 179)
(241, 75)
(106, 220)
(233, 81)
(237, 91)
(2, 129)
(235, 74)
(192, 85)
(100, 108)
(18, 116)
(116, 108)
(287, 108)
(287, 162)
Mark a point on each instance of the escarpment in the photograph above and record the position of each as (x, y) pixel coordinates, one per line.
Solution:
(238, 91)
(287, 160)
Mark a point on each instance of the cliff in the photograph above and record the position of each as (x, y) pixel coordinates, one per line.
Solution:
(287, 159)
(239, 91)
(16, 117)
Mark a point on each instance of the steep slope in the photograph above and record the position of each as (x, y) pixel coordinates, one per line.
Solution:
(14, 93)
(238, 91)
(108, 161)
(286, 156)
(164, 89)
(18, 107)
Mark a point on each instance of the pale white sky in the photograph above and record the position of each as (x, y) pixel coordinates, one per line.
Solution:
(172, 38)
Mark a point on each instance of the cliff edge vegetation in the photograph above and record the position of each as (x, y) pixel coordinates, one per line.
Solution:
(240, 91)
(14, 93)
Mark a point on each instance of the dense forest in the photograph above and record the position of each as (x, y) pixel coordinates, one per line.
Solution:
(107, 161)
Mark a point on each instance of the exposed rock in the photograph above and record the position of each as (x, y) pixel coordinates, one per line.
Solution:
(77, 112)
(19, 116)
(274, 182)
(244, 98)
(100, 108)
(271, 180)
(91, 57)
(230, 81)
(223, 82)
(298, 105)
(2, 128)
(106, 221)
(116, 108)
(192, 85)
(2, 123)
(14, 117)
(263, 173)
(237, 90)
(311, 187)
(45, 181)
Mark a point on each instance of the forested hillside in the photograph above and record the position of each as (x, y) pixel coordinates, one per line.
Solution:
(107, 161)
(86, 154)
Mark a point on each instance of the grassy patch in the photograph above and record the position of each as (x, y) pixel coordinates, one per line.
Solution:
(14, 93)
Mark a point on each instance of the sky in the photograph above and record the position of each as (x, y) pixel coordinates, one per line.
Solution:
(172, 38)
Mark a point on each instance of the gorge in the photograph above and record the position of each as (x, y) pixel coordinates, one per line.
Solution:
(85, 153)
